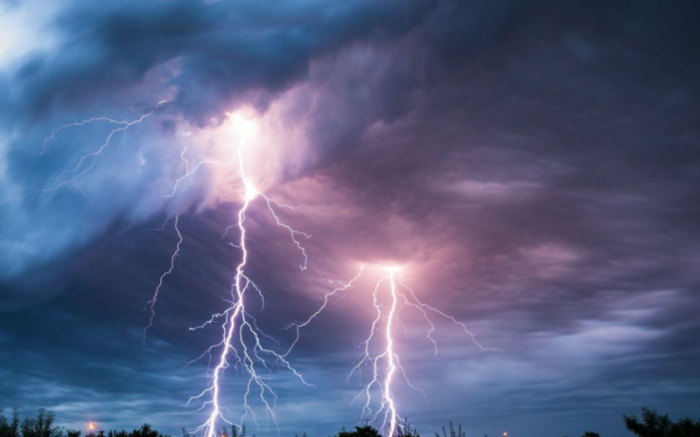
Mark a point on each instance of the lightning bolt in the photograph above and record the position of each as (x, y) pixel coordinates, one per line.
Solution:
(387, 404)
(387, 361)
(379, 351)
(173, 257)
(85, 163)
(326, 298)
(392, 359)
(242, 342)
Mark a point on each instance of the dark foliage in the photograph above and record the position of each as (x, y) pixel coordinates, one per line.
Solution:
(40, 426)
(650, 424)
(235, 432)
(144, 431)
(43, 426)
(405, 429)
(360, 431)
(452, 431)
(653, 424)
(9, 428)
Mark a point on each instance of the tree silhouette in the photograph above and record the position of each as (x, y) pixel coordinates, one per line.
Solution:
(406, 430)
(9, 428)
(649, 424)
(653, 424)
(452, 431)
(360, 431)
(41, 426)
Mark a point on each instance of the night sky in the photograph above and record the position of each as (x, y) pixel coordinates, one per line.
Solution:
(532, 166)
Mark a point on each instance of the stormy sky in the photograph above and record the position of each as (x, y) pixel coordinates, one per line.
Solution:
(532, 166)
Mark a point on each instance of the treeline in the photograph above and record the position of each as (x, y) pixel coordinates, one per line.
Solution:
(649, 424)
(43, 425)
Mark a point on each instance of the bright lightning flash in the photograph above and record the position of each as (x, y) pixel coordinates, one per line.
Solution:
(242, 341)
(379, 348)
(387, 361)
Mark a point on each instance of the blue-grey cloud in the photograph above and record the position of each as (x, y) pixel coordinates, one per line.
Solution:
(131, 55)
(534, 161)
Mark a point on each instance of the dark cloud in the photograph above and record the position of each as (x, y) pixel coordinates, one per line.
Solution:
(533, 163)
(220, 50)
(202, 57)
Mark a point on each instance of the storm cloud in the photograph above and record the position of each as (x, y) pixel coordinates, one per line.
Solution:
(533, 164)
